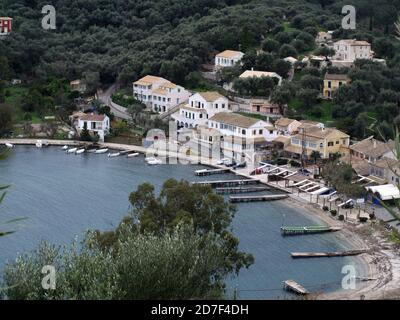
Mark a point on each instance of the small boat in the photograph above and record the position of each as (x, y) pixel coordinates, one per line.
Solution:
(72, 150)
(131, 155)
(9, 145)
(149, 159)
(101, 151)
(154, 161)
(80, 151)
(39, 144)
(113, 155)
(65, 147)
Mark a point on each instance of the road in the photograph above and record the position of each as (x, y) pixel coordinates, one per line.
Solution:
(117, 110)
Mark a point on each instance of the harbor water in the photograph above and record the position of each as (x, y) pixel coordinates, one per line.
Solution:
(65, 195)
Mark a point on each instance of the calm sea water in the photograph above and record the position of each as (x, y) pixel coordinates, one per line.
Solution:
(65, 195)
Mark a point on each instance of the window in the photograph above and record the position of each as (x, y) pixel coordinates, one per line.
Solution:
(329, 84)
(254, 132)
(223, 106)
(330, 144)
(243, 131)
(337, 142)
(260, 131)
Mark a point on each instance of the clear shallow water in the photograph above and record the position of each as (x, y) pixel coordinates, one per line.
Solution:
(65, 195)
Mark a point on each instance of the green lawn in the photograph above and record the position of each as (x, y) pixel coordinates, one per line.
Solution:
(325, 105)
(13, 98)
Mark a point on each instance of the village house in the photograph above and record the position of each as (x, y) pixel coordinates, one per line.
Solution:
(5, 26)
(200, 107)
(372, 150)
(286, 126)
(323, 38)
(332, 82)
(260, 74)
(78, 85)
(386, 169)
(349, 50)
(326, 141)
(97, 124)
(228, 58)
(264, 107)
(241, 136)
(158, 93)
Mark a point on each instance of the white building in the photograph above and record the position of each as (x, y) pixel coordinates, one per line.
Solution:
(97, 124)
(349, 50)
(240, 135)
(228, 58)
(158, 93)
(201, 107)
(260, 74)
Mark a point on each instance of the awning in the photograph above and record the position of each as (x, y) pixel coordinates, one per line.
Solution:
(385, 192)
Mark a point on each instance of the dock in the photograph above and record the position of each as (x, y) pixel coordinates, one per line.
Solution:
(293, 286)
(209, 172)
(230, 190)
(235, 199)
(297, 255)
(228, 183)
(291, 231)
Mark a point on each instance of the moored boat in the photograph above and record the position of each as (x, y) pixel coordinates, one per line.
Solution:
(113, 155)
(101, 151)
(80, 151)
(131, 155)
(65, 147)
(72, 150)
(9, 145)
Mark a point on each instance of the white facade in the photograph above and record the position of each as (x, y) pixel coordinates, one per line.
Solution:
(241, 134)
(228, 58)
(158, 93)
(96, 124)
(200, 107)
(351, 50)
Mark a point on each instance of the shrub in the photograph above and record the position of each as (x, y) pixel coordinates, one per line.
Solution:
(334, 212)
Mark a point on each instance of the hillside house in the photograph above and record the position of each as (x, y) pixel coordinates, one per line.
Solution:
(5, 26)
(158, 93)
(333, 82)
(228, 58)
(200, 107)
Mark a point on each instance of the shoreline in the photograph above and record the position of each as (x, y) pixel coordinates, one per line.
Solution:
(382, 263)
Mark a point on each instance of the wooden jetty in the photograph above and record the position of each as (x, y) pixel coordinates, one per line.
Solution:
(291, 231)
(296, 255)
(209, 172)
(292, 285)
(228, 183)
(235, 199)
(230, 190)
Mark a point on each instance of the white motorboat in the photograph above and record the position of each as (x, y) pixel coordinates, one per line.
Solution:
(113, 155)
(72, 150)
(65, 147)
(39, 144)
(9, 145)
(101, 151)
(131, 155)
(80, 151)
(149, 159)
(154, 161)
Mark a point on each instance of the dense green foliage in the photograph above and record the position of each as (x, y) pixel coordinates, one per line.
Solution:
(175, 265)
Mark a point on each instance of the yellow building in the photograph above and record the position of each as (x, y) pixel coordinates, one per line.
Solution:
(333, 82)
(326, 141)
